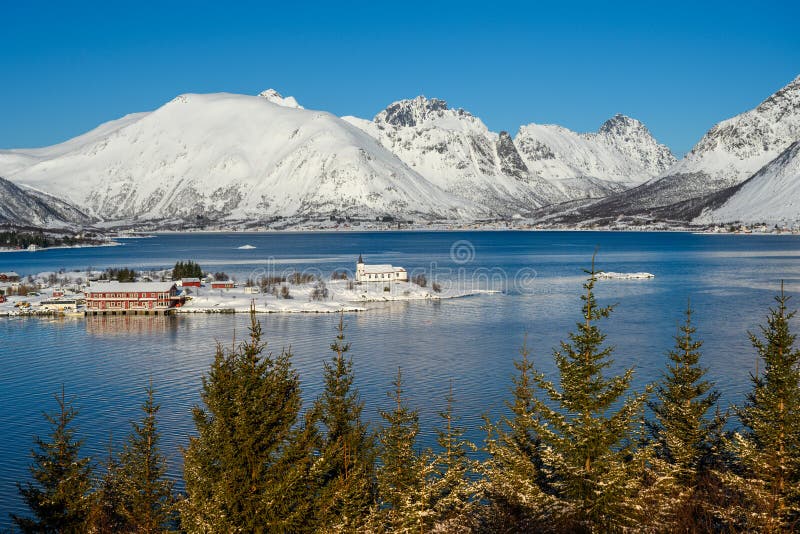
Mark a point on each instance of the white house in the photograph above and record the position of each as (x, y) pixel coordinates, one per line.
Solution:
(379, 273)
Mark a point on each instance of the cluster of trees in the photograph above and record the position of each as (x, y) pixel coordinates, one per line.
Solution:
(132, 494)
(16, 239)
(221, 276)
(580, 453)
(186, 269)
(123, 274)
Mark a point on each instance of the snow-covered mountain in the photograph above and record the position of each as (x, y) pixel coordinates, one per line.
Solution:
(24, 207)
(738, 147)
(544, 164)
(728, 154)
(772, 195)
(621, 154)
(232, 157)
(456, 151)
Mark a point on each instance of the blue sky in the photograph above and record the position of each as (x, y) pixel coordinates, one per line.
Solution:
(679, 67)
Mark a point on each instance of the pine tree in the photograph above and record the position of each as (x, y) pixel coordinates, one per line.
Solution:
(769, 445)
(403, 472)
(148, 502)
(515, 484)
(59, 497)
(345, 468)
(450, 492)
(107, 508)
(687, 438)
(249, 462)
(587, 427)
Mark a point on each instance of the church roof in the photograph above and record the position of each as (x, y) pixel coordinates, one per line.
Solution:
(384, 268)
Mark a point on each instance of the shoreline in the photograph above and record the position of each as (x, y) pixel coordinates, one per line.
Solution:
(314, 308)
(61, 247)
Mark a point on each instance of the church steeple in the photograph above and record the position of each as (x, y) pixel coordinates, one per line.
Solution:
(360, 259)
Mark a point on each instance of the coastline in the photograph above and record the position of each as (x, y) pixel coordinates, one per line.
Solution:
(109, 244)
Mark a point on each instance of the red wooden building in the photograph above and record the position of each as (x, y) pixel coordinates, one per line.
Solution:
(9, 277)
(131, 298)
(190, 282)
(223, 284)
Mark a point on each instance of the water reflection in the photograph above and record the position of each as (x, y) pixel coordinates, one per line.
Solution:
(125, 325)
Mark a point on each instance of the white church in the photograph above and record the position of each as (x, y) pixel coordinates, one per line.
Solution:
(379, 273)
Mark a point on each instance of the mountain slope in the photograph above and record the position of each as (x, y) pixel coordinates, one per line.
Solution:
(233, 157)
(771, 195)
(456, 151)
(621, 154)
(728, 154)
(22, 207)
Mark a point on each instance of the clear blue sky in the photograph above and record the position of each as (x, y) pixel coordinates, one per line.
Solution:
(679, 67)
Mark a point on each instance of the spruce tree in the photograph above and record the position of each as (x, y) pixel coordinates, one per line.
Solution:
(687, 437)
(587, 426)
(451, 493)
(769, 445)
(59, 496)
(148, 502)
(248, 464)
(107, 507)
(514, 483)
(345, 470)
(402, 472)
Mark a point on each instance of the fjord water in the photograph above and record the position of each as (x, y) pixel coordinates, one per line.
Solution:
(105, 363)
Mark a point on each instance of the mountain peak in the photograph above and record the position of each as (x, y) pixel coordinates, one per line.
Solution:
(621, 124)
(786, 99)
(276, 98)
(413, 111)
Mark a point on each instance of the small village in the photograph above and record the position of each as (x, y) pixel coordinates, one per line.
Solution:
(166, 292)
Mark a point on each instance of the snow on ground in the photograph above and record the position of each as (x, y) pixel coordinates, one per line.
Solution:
(623, 276)
(342, 296)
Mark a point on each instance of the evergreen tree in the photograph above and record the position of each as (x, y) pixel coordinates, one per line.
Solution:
(59, 497)
(403, 472)
(148, 502)
(515, 484)
(186, 269)
(345, 468)
(587, 427)
(769, 445)
(248, 465)
(687, 438)
(451, 493)
(107, 508)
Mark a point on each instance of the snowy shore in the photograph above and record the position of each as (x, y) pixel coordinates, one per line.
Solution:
(108, 244)
(342, 296)
(624, 276)
(334, 296)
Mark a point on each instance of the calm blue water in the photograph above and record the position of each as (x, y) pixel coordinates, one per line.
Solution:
(104, 363)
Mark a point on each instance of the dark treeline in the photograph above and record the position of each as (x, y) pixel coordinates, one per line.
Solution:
(121, 274)
(15, 239)
(581, 453)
